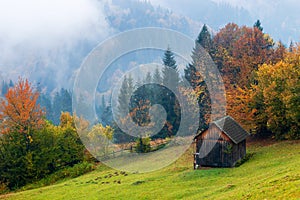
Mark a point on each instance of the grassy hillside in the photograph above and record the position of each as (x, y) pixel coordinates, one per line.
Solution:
(271, 173)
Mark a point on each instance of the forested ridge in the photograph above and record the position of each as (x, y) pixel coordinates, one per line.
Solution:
(261, 77)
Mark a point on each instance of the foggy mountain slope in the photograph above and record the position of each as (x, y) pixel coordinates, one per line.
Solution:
(279, 18)
(47, 42)
(129, 14)
(214, 14)
(48, 48)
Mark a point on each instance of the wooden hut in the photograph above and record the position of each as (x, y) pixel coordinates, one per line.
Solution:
(221, 145)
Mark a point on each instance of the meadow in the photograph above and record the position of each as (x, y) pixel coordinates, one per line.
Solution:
(271, 172)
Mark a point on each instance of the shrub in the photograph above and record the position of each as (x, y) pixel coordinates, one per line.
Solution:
(143, 145)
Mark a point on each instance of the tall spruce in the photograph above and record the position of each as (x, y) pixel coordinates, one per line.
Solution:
(123, 97)
(170, 72)
(62, 102)
(171, 81)
(126, 90)
(157, 77)
(257, 24)
(148, 78)
(56, 109)
(4, 88)
(157, 92)
(205, 39)
(194, 74)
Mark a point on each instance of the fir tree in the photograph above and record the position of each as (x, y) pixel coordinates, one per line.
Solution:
(170, 79)
(130, 85)
(157, 89)
(123, 97)
(157, 77)
(4, 88)
(44, 101)
(194, 74)
(257, 24)
(190, 75)
(291, 47)
(56, 109)
(66, 100)
(11, 84)
(148, 77)
(170, 72)
(204, 39)
(126, 91)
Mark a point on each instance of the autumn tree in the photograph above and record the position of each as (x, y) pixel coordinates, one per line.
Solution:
(101, 138)
(239, 52)
(19, 112)
(276, 98)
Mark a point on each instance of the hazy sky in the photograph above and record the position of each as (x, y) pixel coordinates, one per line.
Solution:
(46, 31)
(37, 20)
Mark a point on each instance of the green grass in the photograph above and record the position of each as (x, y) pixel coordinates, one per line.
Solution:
(273, 172)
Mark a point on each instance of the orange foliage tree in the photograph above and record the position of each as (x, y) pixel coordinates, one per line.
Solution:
(239, 51)
(276, 96)
(19, 111)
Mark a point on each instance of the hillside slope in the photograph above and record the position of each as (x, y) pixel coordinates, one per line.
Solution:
(271, 173)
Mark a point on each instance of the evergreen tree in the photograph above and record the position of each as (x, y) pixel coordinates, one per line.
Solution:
(126, 90)
(100, 108)
(157, 89)
(44, 101)
(148, 77)
(4, 88)
(138, 83)
(11, 84)
(204, 39)
(194, 74)
(130, 86)
(66, 100)
(170, 72)
(257, 24)
(56, 109)
(122, 99)
(201, 88)
(157, 77)
(190, 75)
(107, 117)
(62, 102)
(170, 79)
(291, 47)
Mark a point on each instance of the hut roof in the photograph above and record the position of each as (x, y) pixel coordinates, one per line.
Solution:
(231, 128)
